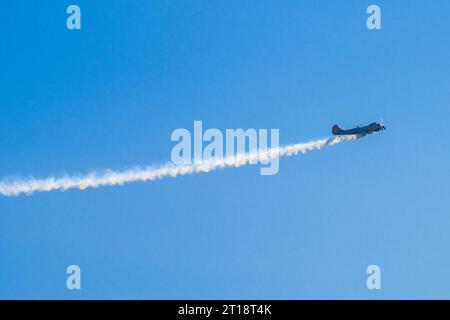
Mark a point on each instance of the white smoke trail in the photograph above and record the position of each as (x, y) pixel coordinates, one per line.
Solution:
(14, 187)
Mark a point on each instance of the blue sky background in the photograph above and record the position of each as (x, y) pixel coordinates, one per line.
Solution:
(110, 95)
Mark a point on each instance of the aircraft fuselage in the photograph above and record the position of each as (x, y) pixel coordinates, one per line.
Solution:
(371, 128)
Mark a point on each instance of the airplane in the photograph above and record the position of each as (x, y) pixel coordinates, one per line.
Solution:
(369, 129)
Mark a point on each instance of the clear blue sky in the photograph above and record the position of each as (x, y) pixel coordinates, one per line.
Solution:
(110, 95)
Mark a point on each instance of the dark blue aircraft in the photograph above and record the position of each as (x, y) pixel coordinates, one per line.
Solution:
(369, 129)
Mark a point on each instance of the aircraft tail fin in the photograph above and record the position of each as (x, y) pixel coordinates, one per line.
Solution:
(335, 130)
